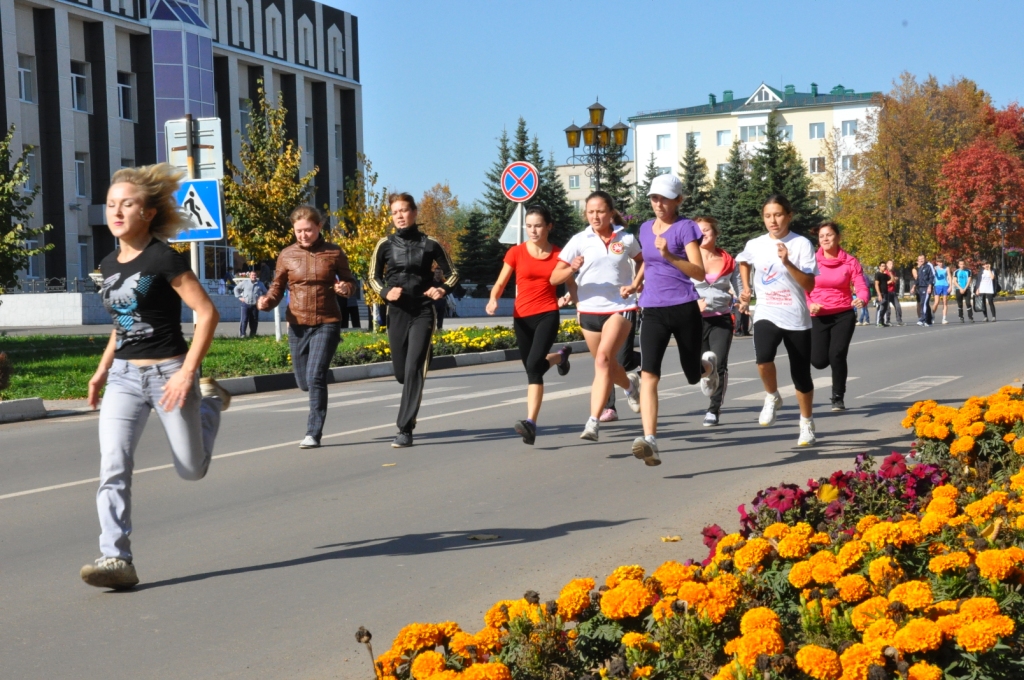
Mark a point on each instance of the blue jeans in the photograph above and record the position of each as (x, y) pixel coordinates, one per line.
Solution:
(312, 349)
(132, 391)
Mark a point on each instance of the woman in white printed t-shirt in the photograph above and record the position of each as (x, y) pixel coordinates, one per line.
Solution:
(601, 257)
(784, 266)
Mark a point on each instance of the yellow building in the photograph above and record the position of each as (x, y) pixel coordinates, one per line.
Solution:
(822, 127)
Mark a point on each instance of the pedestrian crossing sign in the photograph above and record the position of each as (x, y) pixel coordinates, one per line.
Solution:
(201, 203)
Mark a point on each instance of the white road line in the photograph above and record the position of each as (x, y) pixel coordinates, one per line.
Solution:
(460, 397)
(820, 382)
(295, 400)
(905, 389)
(367, 400)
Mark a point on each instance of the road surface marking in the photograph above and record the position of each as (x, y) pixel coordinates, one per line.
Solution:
(821, 382)
(295, 400)
(461, 397)
(366, 400)
(905, 389)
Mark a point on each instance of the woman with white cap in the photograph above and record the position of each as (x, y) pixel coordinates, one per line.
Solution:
(601, 258)
(672, 262)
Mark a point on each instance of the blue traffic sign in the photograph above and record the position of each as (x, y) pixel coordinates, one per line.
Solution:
(519, 181)
(200, 201)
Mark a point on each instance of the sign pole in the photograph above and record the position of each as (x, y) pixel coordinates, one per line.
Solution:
(190, 155)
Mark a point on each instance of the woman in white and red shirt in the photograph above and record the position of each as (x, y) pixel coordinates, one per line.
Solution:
(831, 306)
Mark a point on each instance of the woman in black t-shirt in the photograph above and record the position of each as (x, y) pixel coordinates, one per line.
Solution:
(882, 279)
(147, 364)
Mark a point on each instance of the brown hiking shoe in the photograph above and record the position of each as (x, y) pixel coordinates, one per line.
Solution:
(110, 572)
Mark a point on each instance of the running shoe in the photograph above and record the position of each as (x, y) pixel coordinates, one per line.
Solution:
(608, 415)
(110, 572)
(208, 387)
(710, 419)
(944, 321)
(772, 404)
(837, 404)
(807, 437)
(526, 430)
(633, 393)
(563, 362)
(709, 381)
(590, 430)
(646, 450)
(402, 440)
(309, 442)
(920, 323)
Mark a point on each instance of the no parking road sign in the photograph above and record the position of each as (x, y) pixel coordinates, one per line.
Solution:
(200, 200)
(519, 181)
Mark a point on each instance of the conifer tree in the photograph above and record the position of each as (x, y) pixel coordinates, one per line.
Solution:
(480, 253)
(495, 205)
(696, 184)
(642, 210)
(615, 179)
(551, 193)
(729, 187)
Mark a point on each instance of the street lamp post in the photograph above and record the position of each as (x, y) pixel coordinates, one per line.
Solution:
(600, 142)
(1003, 221)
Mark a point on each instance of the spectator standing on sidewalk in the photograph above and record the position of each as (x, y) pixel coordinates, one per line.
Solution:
(988, 287)
(881, 285)
(894, 293)
(924, 284)
(350, 307)
(248, 293)
(962, 281)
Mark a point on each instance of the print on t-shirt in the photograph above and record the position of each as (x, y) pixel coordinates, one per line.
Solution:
(123, 304)
(774, 294)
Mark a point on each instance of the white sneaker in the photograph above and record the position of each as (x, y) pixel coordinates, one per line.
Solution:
(590, 430)
(709, 381)
(944, 320)
(309, 443)
(710, 419)
(208, 387)
(807, 437)
(772, 404)
(647, 451)
(110, 572)
(633, 393)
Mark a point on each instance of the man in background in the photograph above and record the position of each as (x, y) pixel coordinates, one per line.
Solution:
(248, 292)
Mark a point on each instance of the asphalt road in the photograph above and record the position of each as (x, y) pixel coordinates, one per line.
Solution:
(265, 568)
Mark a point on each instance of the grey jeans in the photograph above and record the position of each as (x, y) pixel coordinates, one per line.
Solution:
(131, 392)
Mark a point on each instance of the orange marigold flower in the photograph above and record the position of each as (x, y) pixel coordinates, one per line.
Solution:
(853, 588)
(426, 664)
(726, 672)
(488, 640)
(922, 670)
(827, 572)
(776, 530)
(868, 611)
(822, 557)
(866, 522)
(642, 672)
(417, 636)
(448, 628)
(794, 546)
(882, 534)
(446, 675)
(760, 618)
(761, 641)
(909, 532)
(486, 671)
(521, 607)
(821, 538)
(940, 564)
(663, 608)
(495, 617)
(1009, 437)
(693, 593)
(950, 624)
(959, 521)
(574, 598)
(881, 630)
(961, 447)
(995, 564)
(388, 661)
(942, 506)
(884, 571)
(978, 608)
(634, 640)
(945, 491)
(1018, 447)
(671, 575)
(850, 554)
(801, 574)
(626, 600)
(919, 635)
(976, 637)
(751, 554)
(819, 663)
(981, 510)
(916, 595)
(460, 644)
(633, 572)
(932, 523)
(857, 659)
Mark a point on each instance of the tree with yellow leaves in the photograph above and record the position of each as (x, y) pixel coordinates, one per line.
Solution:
(261, 194)
(437, 211)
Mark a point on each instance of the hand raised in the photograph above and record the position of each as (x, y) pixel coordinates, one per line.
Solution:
(394, 294)
(662, 245)
(783, 253)
(576, 263)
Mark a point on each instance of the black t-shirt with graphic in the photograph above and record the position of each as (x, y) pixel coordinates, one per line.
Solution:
(145, 308)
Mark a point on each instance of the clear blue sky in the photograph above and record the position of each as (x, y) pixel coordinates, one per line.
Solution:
(441, 79)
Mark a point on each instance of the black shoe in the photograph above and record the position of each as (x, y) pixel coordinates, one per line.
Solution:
(837, 404)
(403, 440)
(563, 363)
(526, 430)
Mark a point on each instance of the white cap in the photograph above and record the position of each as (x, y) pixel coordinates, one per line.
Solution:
(667, 185)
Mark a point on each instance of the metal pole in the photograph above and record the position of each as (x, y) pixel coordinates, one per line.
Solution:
(190, 164)
(277, 323)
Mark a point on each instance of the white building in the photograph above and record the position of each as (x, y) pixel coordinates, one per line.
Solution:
(578, 184)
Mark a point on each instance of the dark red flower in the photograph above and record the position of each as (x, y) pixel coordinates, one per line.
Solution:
(781, 499)
(893, 466)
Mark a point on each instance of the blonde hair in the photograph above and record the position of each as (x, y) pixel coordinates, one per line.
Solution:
(307, 212)
(157, 184)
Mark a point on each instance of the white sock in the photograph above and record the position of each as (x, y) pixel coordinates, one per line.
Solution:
(592, 418)
(650, 439)
(805, 421)
(776, 394)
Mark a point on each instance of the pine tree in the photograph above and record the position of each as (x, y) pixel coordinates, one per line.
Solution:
(642, 210)
(729, 187)
(696, 187)
(551, 194)
(498, 208)
(615, 178)
(480, 253)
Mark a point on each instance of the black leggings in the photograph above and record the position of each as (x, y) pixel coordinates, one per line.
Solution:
(409, 334)
(717, 338)
(830, 343)
(661, 324)
(535, 335)
(768, 337)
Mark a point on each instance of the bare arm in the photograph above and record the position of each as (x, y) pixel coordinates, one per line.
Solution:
(692, 265)
(192, 294)
(563, 272)
(99, 378)
(499, 288)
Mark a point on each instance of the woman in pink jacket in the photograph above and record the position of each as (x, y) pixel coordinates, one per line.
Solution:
(831, 306)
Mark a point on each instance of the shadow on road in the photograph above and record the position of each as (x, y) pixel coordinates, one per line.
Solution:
(407, 544)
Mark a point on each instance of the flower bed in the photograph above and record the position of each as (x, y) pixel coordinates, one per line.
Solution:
(913, 571)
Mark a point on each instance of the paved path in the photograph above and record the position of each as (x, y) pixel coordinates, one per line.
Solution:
(266, 567)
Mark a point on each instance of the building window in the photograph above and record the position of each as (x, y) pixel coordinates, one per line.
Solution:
(243, 117)
(35, 263)
(206, 13)
(81, 175)
(337, 141)
(664, 171)
(306, 51)
(817, 165)
(30, 172)
(273, 35)
(695, 136)
(819, 198)
(241, 25)
(849, 128)
(122, 7)
(721, 168)
(574, 181)
(127, 162)
(763, 95)
(817, 131)
(79, 95)
(576, 206)
(787, 133)
(309, 135)
(124, 94)
(593, 183)
(848, 162)
(662, 141)
(26, 91)
(723, 137)
(83, 257)
(752, 133)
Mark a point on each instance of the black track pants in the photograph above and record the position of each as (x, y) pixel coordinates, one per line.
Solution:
(830, 343)
(409, 335)
(534, 336)
(717, 338)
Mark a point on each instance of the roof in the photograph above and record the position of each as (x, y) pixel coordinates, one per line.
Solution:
(792, 100)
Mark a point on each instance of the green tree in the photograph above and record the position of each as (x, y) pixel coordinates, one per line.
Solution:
(615, 178)
(551, 194)
(15, 212)
(261, 194)
(479, 251)
(696, 183)
(730, 185)
(494, 204)
(642, 210)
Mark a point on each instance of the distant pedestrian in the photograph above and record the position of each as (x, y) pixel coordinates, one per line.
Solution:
(894, 293)
(881, 286)
(248, 293)
(987, 289)
(315, 273)
(832, 313)
(941, 288)
(962, 287)
(350, 307)
(440, 306)
(924, 287)
(147, 364)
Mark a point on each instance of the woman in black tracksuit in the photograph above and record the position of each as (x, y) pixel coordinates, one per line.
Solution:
(402, 274)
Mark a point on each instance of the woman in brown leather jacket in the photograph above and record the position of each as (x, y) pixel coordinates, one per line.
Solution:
(315, 272)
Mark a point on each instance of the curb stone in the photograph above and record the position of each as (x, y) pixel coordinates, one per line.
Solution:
(22, 409)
